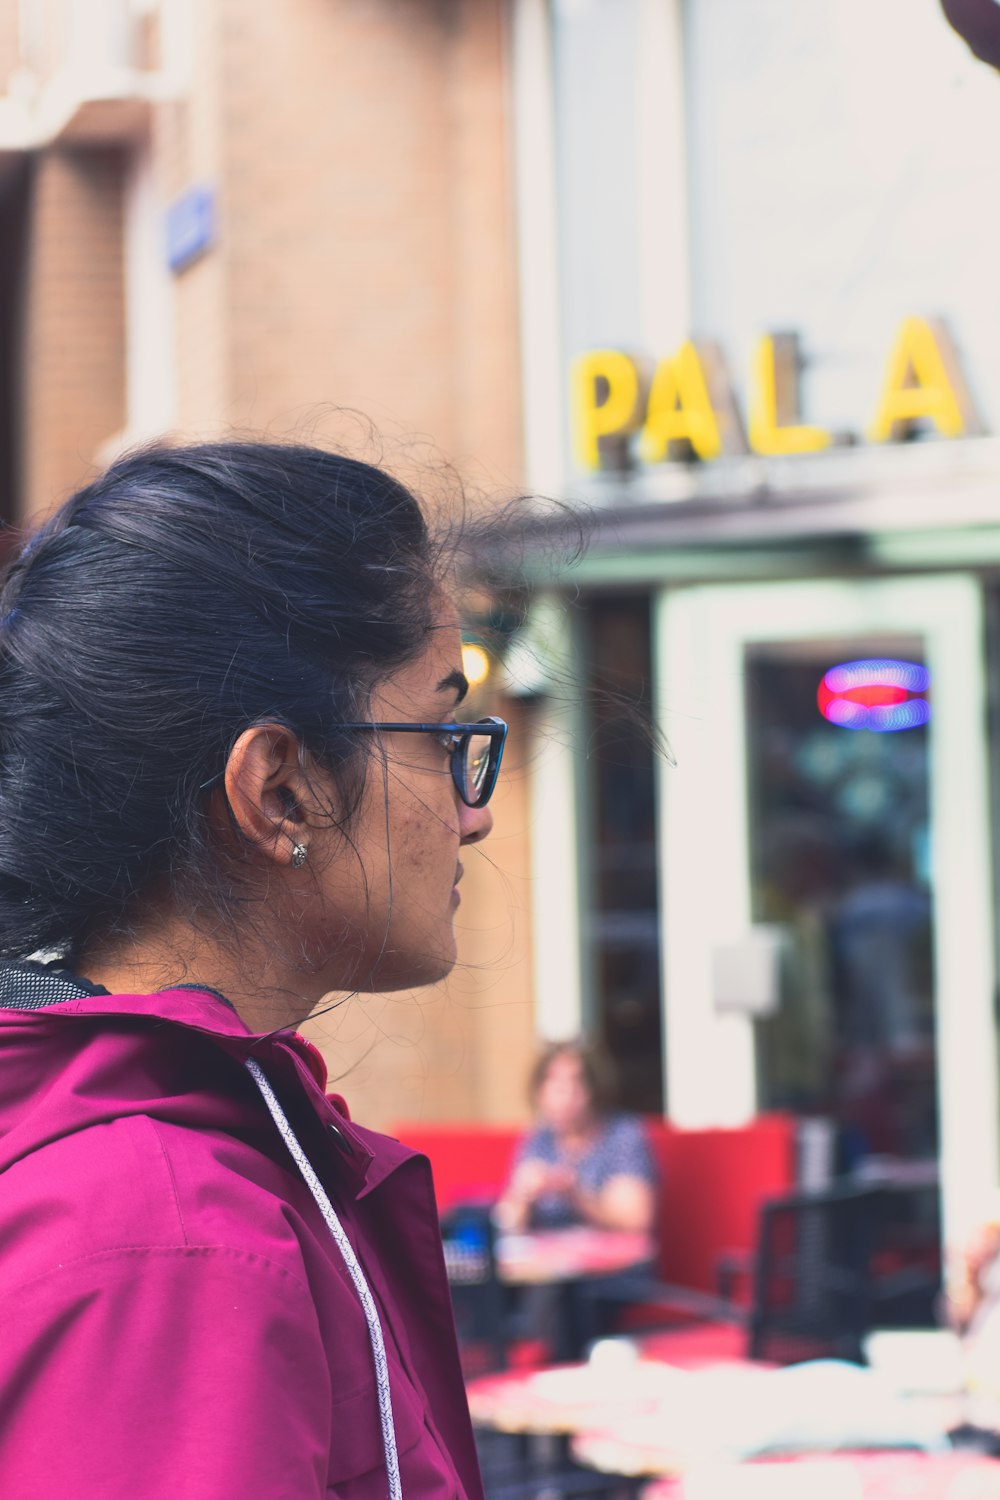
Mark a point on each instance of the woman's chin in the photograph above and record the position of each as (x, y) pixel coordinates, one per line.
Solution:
(408, 971)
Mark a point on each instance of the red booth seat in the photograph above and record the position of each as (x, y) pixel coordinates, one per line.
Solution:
(712, 1182)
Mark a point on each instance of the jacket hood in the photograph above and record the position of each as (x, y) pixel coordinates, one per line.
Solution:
(123, 1245)
(85, 1059)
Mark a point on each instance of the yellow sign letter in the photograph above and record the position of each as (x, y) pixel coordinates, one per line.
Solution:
(924, 381)
(690, 402)
(604, 401)
(773, 419)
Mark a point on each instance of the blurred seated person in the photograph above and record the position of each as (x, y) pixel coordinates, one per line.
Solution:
(581, 1164)
(972, 1306)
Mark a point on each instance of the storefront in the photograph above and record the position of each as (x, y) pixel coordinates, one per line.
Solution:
(781, 782)
(766, 836)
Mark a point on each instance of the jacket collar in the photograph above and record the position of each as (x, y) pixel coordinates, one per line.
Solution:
(33, 993)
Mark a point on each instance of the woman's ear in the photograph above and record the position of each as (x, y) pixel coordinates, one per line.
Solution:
(269, 793)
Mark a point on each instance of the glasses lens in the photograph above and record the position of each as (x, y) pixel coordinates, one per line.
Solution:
(477, 763)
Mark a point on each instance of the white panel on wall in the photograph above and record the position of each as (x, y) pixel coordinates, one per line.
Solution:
(843, 175)
(594, 52)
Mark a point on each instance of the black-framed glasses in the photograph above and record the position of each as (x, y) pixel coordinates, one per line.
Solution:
(476, 751)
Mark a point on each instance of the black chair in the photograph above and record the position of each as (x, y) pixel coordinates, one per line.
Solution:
(477, 1295)
(812, 1274)
(827, 1268)
(906, 1288)
(831, 1266)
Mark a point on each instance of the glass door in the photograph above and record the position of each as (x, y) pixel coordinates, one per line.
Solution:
(837, 757)
(825, 868)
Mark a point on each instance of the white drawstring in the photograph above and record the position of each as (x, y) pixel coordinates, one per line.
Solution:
(361, 1286)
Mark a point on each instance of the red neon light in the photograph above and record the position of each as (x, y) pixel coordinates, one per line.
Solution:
(875, 693)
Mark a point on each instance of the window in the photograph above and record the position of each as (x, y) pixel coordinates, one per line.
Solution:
(622, 925)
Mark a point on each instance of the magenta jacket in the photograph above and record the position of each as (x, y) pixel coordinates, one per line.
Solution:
(176, 1321)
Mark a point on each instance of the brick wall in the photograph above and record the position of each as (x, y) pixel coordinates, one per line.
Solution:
(365, 212)
(364, 259)
(73, 388)
(187, 150)
(485, 298)
(369, 264)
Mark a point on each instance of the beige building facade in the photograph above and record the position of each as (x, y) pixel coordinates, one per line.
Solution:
(290, 220)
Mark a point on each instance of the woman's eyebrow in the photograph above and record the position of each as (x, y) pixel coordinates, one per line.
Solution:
(456, 682)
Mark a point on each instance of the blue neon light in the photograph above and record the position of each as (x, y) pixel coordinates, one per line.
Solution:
(849, 695)
(871, 671)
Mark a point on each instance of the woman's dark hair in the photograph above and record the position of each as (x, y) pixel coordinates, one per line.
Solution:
(598, 1071)
(185, 595)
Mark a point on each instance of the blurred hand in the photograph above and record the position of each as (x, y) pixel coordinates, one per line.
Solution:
(964, 1290)
(560, 1179)
(540, 1179)
(532, 1180)
(983, 1247)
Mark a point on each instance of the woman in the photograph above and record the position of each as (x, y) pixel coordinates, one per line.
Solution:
(231, 782)
(581, 1164)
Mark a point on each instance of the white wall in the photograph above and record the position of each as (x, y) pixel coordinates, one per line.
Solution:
(843, 174)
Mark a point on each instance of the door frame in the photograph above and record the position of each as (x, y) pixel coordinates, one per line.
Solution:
(699, 639)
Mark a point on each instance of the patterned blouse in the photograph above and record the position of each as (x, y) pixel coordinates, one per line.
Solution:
(620, 1149)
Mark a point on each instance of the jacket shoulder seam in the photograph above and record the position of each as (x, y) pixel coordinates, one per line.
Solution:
(171, 1177)
(247, 1258)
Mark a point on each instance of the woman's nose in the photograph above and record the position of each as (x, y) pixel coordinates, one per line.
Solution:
(474, 823)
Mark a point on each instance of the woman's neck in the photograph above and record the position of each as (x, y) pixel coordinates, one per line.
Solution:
(578, 1136)
(270, 1001)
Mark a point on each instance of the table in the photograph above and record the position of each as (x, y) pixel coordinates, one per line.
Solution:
(561, 1400)
(566, 1261)
(843, 1476)
(545, 1256)
(740, 1412)
(520, 1405)
(614, 1413)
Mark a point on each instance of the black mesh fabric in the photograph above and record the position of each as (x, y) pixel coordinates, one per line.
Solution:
(29, 986)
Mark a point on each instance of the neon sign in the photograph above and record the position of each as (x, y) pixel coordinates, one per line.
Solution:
(876, 693)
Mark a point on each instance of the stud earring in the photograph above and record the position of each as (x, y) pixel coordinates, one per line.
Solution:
(300, 853)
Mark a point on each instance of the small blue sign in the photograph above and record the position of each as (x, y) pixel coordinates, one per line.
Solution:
(190, 226)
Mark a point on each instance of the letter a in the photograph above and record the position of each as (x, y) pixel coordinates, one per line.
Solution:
(924, 382)
(681, 408)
